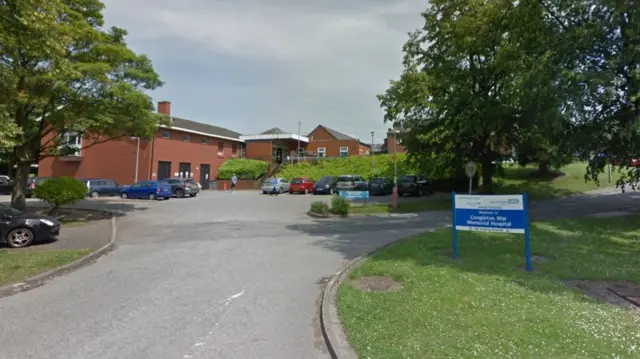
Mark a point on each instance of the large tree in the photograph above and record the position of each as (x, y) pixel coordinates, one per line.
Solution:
(63, 72)
(477, 76)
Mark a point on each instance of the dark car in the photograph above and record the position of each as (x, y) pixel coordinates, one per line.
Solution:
(147, 189)
(184, 186)
(325, 185)
(380, 186)
(6, 185)
(19, 229)
(415, 185)
(98, 187)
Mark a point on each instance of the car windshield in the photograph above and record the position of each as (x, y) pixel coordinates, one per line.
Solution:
(408, 178)
(8, 210)
(268, 181)
(345, 178)
(297, 181)
(324, 180)
(163, 182)
(377, 180)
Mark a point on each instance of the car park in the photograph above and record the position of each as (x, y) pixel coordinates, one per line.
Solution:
(147, 189)
(380, 186)
(181, 187)
(301, 185)
(325, 185)
(20, 229)
(281, 187)
(351, 183)
(101, 187)
(416, 185)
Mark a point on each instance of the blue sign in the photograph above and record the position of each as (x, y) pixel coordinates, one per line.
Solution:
(354, 194)
(491, 213)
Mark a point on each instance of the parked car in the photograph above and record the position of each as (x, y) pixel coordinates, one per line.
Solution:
(181, 187)
(301, 185)
(283, 185)
(380, 186)
(19, 229)
(98, 187)
(351, 183)
(6, 185)
(416, 185)
(325, 185)
(147, 189)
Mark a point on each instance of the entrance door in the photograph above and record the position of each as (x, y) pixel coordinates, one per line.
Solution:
(205, 172)
(279, 155)
(164, 170)
(185, 170)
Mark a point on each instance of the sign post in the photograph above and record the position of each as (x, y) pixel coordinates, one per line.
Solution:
(351, 195)
(470, 169)
(492, 213)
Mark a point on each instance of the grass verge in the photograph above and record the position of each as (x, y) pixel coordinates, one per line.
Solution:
(513, 179)
(486, 306)
(15, 266)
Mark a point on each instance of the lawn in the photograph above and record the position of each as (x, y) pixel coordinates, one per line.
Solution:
(486, 306)
(15, 266)
(514, 179)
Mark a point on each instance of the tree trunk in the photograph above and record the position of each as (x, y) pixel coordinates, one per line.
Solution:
(11, 163)
(19, 192)
(543, 168)
(487, 175)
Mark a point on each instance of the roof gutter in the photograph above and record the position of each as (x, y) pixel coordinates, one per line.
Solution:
(201, 133)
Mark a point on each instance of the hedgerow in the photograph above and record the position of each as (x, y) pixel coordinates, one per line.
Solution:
(356, 165)
(244, 169)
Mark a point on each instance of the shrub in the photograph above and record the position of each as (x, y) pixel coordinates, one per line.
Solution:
(60, 191)
(244, 169)
(340, 206)
(319, 207)
(357, 165)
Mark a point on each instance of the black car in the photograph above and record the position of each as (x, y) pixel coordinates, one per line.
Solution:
(380, 186)
(6, 185)
(415, 185)
(184, 186)
(325, 185)
(19, 229)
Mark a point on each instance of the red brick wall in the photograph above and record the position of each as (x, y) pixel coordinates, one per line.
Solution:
(364, 149)
(321, 138)
(260, 150)
(391, 143)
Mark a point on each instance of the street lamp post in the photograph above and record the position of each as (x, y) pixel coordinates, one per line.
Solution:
(394, 196)
(372, 159)
(298, 153)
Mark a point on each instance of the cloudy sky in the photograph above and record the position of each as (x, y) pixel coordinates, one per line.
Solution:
(250, 65)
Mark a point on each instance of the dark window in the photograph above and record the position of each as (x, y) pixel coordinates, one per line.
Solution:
(297, 181)
(377, 180)
(220, 147)
(234, 149)
(165, 134)
(186, 138)
(345, 178)
(203, 141)
(174, 181)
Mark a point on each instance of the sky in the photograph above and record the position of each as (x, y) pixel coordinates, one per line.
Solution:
(251, 65)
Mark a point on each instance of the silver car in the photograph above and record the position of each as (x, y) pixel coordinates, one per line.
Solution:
(351, 183)
(283, 185)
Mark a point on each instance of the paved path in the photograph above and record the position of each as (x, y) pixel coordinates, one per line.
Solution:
(218, 276)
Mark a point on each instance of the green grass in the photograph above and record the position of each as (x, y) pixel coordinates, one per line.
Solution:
(15, 266)
(514, 179)
(486, 306)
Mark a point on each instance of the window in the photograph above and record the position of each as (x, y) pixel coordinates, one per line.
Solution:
(165, 134)
(322, 152)
(344, 151)
(186, 138)
(234, 149)
(203, 141)
(220, 148)
(70, 144)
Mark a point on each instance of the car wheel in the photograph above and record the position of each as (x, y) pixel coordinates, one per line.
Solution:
(420, 192)
(331, 191)
(306, 191)
(179, 193)
(264, 192)
(124, 196)
(20, 238)
(193, 194)
(94, 194)
(280, 190)
(152, 196)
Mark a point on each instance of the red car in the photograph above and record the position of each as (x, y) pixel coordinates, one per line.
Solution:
(301, 185)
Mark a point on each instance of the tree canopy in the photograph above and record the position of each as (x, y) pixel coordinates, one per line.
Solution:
(58, 63)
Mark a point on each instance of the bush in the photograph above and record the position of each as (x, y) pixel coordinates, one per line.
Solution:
(356, 165)
(319, 207)
(60, 191)
(244, 169)
(340, 206)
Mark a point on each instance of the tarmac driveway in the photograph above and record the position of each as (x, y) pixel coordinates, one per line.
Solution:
(217, 276)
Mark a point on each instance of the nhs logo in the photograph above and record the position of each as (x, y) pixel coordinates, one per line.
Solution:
(513, 201)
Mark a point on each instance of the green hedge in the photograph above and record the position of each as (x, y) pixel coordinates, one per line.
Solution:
(245, 169)
(383, 167)
(60, 191)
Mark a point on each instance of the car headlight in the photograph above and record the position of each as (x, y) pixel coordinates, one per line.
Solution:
(47, 222)
(326, 186)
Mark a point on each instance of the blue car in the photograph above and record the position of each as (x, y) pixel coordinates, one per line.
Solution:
(147, 190)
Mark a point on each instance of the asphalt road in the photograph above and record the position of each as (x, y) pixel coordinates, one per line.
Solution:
(217, 276)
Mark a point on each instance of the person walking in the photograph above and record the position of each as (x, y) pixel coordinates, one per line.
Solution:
(234, 181)
(274, 183)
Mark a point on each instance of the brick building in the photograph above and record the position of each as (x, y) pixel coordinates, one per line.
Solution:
(185, 149)
(274, 145)
(392, 143)
(326, 142)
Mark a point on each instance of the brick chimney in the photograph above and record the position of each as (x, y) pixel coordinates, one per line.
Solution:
(164, 107)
